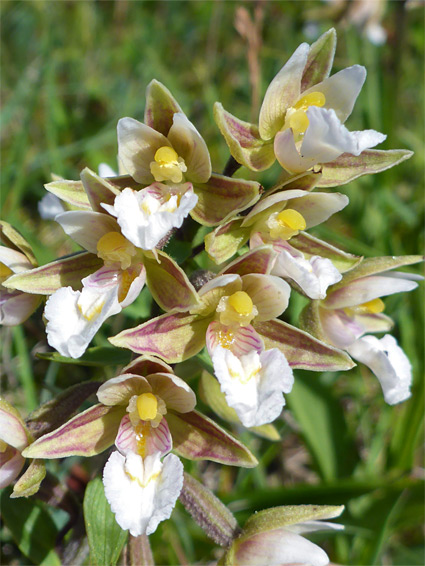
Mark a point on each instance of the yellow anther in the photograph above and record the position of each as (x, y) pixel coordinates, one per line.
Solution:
(286, 224)
(166, 156)
(147, 406)
(374, 306)
(5, 272)
(312, 99)
(298, 121)
(290, 218)
(114, 248)
(241, 302)
(225, 338)
(168, 166)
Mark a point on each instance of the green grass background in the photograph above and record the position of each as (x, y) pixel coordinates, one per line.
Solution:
(69, 71)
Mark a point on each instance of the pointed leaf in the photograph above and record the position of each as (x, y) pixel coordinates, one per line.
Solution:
(212, 395)
(259, 260)
(222, 198)
(55, 412)
(71, 192)
(286, 515)
(173, 337)
(244, 141)
(48, 278)
(208, 511)
(302, 350)
(13, 239)
(223, 242)
(98, 190)
(29, 483)
(32, 529)
(98, 356)
(310, 245)
(87, 434)
(197, 437)
(160, 107)
(319, 60)
(348, 167)
(168, 283)
(106, 538)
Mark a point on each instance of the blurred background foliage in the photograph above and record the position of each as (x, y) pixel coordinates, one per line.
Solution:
(69, 71)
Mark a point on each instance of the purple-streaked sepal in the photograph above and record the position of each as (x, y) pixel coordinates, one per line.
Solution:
(261, 260)
(87, 434)
(173, 337)
(71, 192)
(319, 60)
(146, 365)
(301, 349)
(223, 242)
(348, 167)
(29, 483)
(312, 246)
(98, 190)
(47, 279)
(222, 198)
(160, 107)
(197, 437)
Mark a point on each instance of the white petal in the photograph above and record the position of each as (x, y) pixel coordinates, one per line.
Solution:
(106, 171)
(253, 384)
(74, 317)
(220, 281)
(388, 362)
(366, 289)
(326, 138)
(341, 90)
(269, 294)
(142, 492)
(279, 547)
(175, 392)
(189, 144)
(12, 430)
(137, 145)
(314, 526)
(50, 206)
(288, 155)
(86, 227)
(145, 219)
(11, 463)
(16, 307)
(14, 260)
(313, 276)
(340, 329)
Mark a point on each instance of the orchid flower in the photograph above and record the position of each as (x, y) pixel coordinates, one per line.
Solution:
(353, 308)
(15, 257)
(273, 537)
(301, 121)
(14, 438)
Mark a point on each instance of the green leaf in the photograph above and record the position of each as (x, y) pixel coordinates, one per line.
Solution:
(96, 356)
(32, 528)
(321, 418)
(106, 538)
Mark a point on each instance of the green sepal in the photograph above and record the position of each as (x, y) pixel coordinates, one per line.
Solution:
(301, 349)
(29, 483)
(211, 394)
(48, 278)
(305, 181)
(13, 239)
(319, 60)
(223, 242)
(168, 283)
(222, 197)
(86, 434)
(244, 141)
(348, 167)
(197, 437)
(174, 337)
(160, 107)
(71, 192)
(208, 511)
(260, 260)
(98, 189)
(309, 320)
(310, 246)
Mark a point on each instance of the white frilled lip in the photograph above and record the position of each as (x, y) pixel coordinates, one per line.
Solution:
(146, 229)
(138, 143)
(368, 288)
(87, 227)
(325, 139)
(388, 362)
(175, 392)
(142, 492)
(14, 260)
(253, 383)
(315, 207)
(313, 276)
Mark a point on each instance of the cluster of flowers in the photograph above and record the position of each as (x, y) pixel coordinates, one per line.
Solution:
(124, 221)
